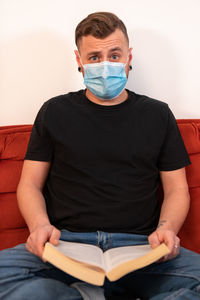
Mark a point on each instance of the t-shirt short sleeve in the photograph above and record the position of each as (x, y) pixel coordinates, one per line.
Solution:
(173, 154)
(40, 147)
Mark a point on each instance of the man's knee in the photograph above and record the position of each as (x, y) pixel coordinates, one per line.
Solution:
(18, 262)
(40, 289)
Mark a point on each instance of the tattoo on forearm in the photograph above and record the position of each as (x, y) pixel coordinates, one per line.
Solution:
(161, 223)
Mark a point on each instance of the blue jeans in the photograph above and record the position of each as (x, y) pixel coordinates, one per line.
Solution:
(24, 276)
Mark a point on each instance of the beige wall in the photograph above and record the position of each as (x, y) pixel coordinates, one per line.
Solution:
(37, 60)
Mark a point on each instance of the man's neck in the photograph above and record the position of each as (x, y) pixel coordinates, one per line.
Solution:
(121, 98)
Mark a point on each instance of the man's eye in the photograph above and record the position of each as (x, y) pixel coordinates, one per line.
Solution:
(114, 57)
(94, 58)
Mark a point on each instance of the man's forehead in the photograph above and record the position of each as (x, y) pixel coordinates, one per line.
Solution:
(115, 40)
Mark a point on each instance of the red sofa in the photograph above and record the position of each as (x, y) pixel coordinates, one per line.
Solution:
(13, 144)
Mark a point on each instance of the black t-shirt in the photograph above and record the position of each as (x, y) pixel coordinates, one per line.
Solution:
(105, 161)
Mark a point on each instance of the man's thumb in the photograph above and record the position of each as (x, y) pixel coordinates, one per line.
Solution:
(154, 240)
(55, 236)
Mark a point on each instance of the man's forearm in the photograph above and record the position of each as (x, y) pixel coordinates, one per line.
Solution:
(32, 206)
(173, 213)
(174, 210)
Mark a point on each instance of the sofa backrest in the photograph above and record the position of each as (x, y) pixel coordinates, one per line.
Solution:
(190, 231)
(13, 144)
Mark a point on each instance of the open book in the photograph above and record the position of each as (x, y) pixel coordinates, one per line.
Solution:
(90, 264)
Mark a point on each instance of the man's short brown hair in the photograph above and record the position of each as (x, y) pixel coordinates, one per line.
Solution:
(100, 25)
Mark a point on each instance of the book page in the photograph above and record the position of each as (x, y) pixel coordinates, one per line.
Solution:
(114, 257)
(86, 253)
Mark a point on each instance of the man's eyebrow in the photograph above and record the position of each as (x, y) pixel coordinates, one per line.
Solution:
(115, 49)
(93, 53)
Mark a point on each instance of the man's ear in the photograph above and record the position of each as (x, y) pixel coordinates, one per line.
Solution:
(78, 60)
(130, 56)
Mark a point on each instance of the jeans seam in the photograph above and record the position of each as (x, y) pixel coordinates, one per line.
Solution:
(109, 240)
(98, 239)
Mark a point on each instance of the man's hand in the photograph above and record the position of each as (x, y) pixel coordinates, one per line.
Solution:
(39, 236)
(169, 238)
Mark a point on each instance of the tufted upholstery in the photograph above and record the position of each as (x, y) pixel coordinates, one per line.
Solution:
(13, 143)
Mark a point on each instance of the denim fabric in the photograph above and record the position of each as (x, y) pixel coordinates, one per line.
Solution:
(89, 291)
(24, 276)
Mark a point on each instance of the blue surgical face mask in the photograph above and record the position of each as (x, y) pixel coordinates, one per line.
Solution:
(106, 80)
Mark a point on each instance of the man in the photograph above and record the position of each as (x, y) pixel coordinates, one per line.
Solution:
(91, 175)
